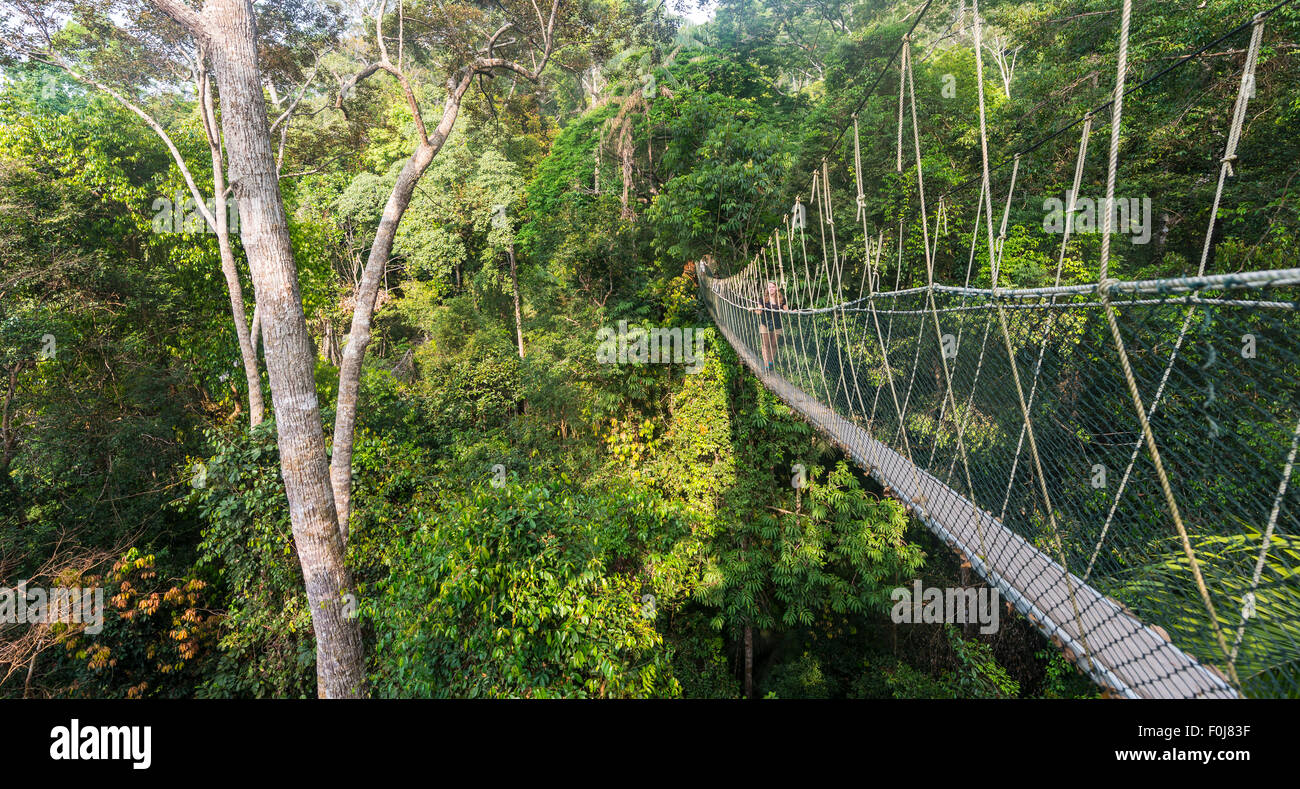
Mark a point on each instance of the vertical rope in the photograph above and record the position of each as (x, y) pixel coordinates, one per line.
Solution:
(1070, 200)
(803, 247)
(865, 286)
(988, 324)
(1225, 169)
(1103, 288)
(1011, 354)
(1268, 538)
(929, 273)
(821, 221)
(837, 315)
(780, 264)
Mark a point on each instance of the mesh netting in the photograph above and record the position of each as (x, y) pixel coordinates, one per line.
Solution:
(1222, 411)
(1116, 457)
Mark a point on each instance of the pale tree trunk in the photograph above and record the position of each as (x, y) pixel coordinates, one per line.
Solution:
(330, 342)
(514, 280)
(430, 142)
(227, 26)
(354, 352)
(256, 408)
(998, 48)
(256, 330)
(218, 221)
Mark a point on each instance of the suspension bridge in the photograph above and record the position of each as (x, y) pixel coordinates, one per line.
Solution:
(1114, 455)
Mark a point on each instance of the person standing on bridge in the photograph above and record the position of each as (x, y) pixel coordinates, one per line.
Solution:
(709, 265)
(769, 322)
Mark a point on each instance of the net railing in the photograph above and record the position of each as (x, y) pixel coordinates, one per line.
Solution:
(1226, 419)
(1114, 452)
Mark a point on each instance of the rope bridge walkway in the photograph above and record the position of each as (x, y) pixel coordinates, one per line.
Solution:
(1114, 456)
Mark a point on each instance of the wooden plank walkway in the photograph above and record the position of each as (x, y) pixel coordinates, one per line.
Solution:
(1106, 641)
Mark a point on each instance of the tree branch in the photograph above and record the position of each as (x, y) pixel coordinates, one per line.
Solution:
(184, 16)
(301, 92)
(200, 203)
(351, 82)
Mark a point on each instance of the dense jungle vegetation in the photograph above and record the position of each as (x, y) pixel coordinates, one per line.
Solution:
(524, 520)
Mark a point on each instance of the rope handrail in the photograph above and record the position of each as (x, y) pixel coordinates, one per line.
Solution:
(1164, 286)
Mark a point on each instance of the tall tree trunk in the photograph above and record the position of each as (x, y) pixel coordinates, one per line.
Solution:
(330, 342)
(218, 220)
(625, 151)
(229, 26)
(514, 280)
(345, 412)
(252, 375)
(8, 434)
(255, 331)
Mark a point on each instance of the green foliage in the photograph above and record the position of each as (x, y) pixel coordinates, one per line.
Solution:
(1062, 680)
(801, 678)
(98, 330)
(836, 552)
(728, 202)
(624, 480)
(266, 647)
(526, 590)
(973, 673)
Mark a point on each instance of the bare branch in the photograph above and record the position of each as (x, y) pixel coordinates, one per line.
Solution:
(300, 173)
(302, 91)
(410, 97)
(379, 31)
(351, 82)
(492, 40)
